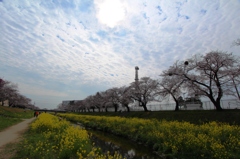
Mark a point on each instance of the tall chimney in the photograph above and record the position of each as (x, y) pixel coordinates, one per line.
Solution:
(136, 73)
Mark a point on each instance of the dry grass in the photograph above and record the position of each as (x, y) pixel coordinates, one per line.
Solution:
(9, 150)
(12, 110)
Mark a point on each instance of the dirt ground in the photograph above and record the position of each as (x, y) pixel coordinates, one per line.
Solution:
(10, 136)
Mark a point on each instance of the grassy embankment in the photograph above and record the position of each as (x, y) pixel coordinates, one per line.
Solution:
(10, 116)
(194, 116)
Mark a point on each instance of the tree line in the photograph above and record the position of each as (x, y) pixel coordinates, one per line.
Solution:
(9, 92)
(213, 75)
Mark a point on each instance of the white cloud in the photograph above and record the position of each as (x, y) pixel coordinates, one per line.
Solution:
(77, 46)
(39, 91)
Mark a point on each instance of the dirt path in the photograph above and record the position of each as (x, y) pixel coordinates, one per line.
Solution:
(12, 133)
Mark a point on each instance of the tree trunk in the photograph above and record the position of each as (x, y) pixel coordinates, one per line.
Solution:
(145, 107)
(128, 109)
(115, 107)
(177, 107)
(177, 103)
(235, 86)
(216, 103)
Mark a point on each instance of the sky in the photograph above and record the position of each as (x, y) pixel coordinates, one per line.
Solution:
(58, 50)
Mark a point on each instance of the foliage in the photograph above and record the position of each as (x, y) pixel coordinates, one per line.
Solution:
(172, 138)
(50, 137)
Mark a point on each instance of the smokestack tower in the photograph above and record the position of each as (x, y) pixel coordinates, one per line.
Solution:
(136, 73)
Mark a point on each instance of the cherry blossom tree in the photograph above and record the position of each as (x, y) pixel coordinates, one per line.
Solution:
(234, 84)
(97, 100)
(144, 91)
(90, 103)
(104, 100)
(171, 86)
(125, 97)
(113, 97)
(9, 91)
(208, 75)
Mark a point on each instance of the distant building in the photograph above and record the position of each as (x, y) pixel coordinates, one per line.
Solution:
(194, 106)
(4, 103)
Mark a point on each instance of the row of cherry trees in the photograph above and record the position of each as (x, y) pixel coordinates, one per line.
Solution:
(9, 92)
(213, 75)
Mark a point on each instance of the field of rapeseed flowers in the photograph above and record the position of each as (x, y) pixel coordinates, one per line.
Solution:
(172, 138)
(50, 137)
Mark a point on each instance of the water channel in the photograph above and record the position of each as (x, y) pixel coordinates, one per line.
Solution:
(127, 148)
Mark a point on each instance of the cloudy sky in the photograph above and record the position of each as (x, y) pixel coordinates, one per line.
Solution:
(68, 49)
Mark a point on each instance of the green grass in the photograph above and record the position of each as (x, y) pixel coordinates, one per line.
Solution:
(193, 116)
(6, 122)
(10, 116)
(29, 137)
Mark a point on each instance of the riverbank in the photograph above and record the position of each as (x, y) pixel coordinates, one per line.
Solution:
(230, 116)
(170, 139)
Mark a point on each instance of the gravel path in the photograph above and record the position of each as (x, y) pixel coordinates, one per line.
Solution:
(12, 133)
